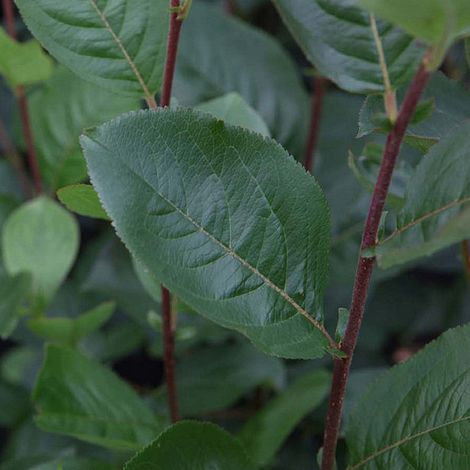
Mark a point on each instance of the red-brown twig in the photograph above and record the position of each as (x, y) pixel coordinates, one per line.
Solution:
(168, 330)
(8, 11)
(365, 266)
(319, 85)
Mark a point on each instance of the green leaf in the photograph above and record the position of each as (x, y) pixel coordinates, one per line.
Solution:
(222, 230)
(450, 110)
(438, 22)
(336, 36)
(60, 110)
(416, 415)
(79, 397)
(342, 323)
(264, 434)
(40, 238)
(436, 212)
(13, 292)
(111, 275)
(23, 63)
(149, 282)
(211, 379)
(253, 64)
(82, 199)
(233, 109)
(15, 404)
(198, 446)
(70, 330)
(119, 46)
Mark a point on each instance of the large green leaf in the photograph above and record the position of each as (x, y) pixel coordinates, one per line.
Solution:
(233, 109)
(208, 208)
(79, 397)
(265, 433)
(337, 38)
(436, 212)
(211, 379)
(40, 238)
(119, 45)
(219, 54)
(60, 110)
(23, 63)
(417, 415)
(13, 292)
(198, 446)
(435, 21)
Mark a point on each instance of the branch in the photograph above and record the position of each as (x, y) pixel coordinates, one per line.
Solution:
(171, 50)
(366, 265)
(168, 330)
(23, 105)
(319, 85)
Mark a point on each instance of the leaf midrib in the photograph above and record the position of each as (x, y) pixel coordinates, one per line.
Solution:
(123, 50)
(406, 439)
(424, 217)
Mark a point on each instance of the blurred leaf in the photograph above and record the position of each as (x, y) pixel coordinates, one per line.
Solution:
(15, 404)
(70, 330)
(60, 110)
(233, 109)
(112, 275)
(435, 214)
(416, 414)
(336, 36)
(219, 54)
(232, 262)
(79, 397)
(213, 378)
(119, 46)
(82, 199)
(23, 63)
(438, 22)
(13, 292)
(40, 238)
(265, 433)
(198, 446)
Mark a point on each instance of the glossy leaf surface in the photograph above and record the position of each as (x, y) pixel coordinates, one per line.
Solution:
(336, 36)
(203, 204)
(118, 45)
(194, 445)
(416, 415)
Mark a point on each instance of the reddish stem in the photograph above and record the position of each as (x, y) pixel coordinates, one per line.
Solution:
(171, 50)
(15, 159)
(319, 86)
(365, 266)
(466, 257)
(169, 354)
(229, 7)
(168, 330)
(9, 13)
